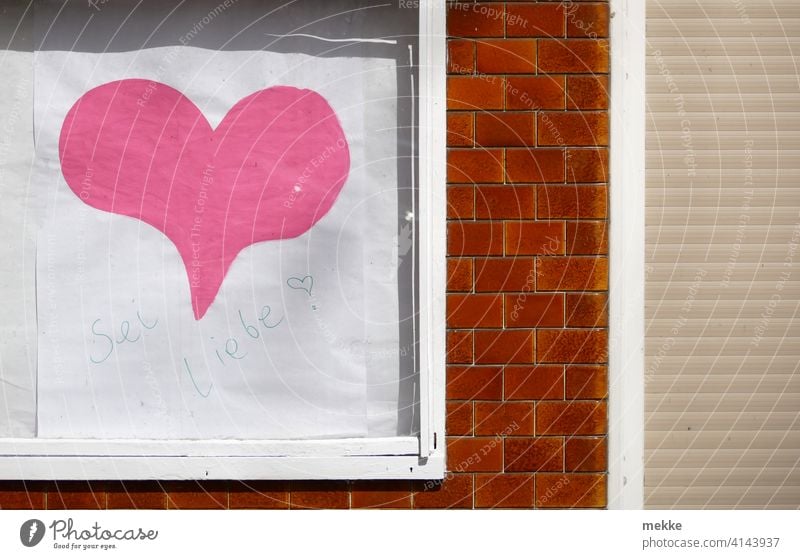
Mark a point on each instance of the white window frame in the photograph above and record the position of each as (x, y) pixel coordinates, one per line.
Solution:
(421, 457)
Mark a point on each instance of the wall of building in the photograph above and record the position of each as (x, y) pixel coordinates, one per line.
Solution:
(527, 284)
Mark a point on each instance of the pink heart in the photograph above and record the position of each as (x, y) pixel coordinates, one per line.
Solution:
(271, 170)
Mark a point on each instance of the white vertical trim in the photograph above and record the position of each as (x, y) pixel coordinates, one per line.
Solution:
(432, 220)
(626, 242)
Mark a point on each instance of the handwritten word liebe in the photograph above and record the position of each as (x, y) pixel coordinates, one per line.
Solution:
(108, 339)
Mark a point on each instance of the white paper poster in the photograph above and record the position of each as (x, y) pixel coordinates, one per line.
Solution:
(218, 252)
(18, 230)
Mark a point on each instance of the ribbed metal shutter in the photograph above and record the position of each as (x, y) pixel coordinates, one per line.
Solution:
(723, 273)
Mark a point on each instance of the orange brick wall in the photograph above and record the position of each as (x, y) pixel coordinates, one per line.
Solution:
(527, 245)
(527, 284)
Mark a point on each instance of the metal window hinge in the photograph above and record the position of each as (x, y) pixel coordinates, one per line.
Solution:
(434, 441)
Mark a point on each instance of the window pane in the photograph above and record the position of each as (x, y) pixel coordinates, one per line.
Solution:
(217, 232)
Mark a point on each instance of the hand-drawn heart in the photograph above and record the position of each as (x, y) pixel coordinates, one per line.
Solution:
(271, 170)
(305, 283)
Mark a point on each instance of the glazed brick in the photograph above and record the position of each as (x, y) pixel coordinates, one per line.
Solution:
(531, 454)
(460, 129)
(474, 311)
(319, 495)
(535, 165)
(196, 494)
(534, 237)
(21, 495)
(474, 454)
(454, 492)
(571, 418)
(135, 495)
(504, 346)
(474, 165)
(467, 19)
(504, 129)
(586, 382)
(587, 20)
(507, 56)
(571, 201)
(459, 418)
(504, 202)
(579, 56)
(535, 92)
(503, 418)
(460, 202)
(475, 92)
(504, 491)
(570, 491)
(587, 310)
(474, 383)
(587, 165)
(587, 92)
(571, 346)
(572, 129)
(572, 274)
(474, 238)
(505, 274)
(539, 382)
(535, 20)
(586, 454)
(459, 346)
(459, 274)
(380, 494)
(460, 56)
(259, 495)
(587, 237)
(72, 495)
(534, 310)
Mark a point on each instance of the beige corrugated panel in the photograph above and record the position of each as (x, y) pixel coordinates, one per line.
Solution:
(723, 280)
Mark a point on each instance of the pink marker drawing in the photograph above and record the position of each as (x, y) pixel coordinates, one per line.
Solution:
(271, 170)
